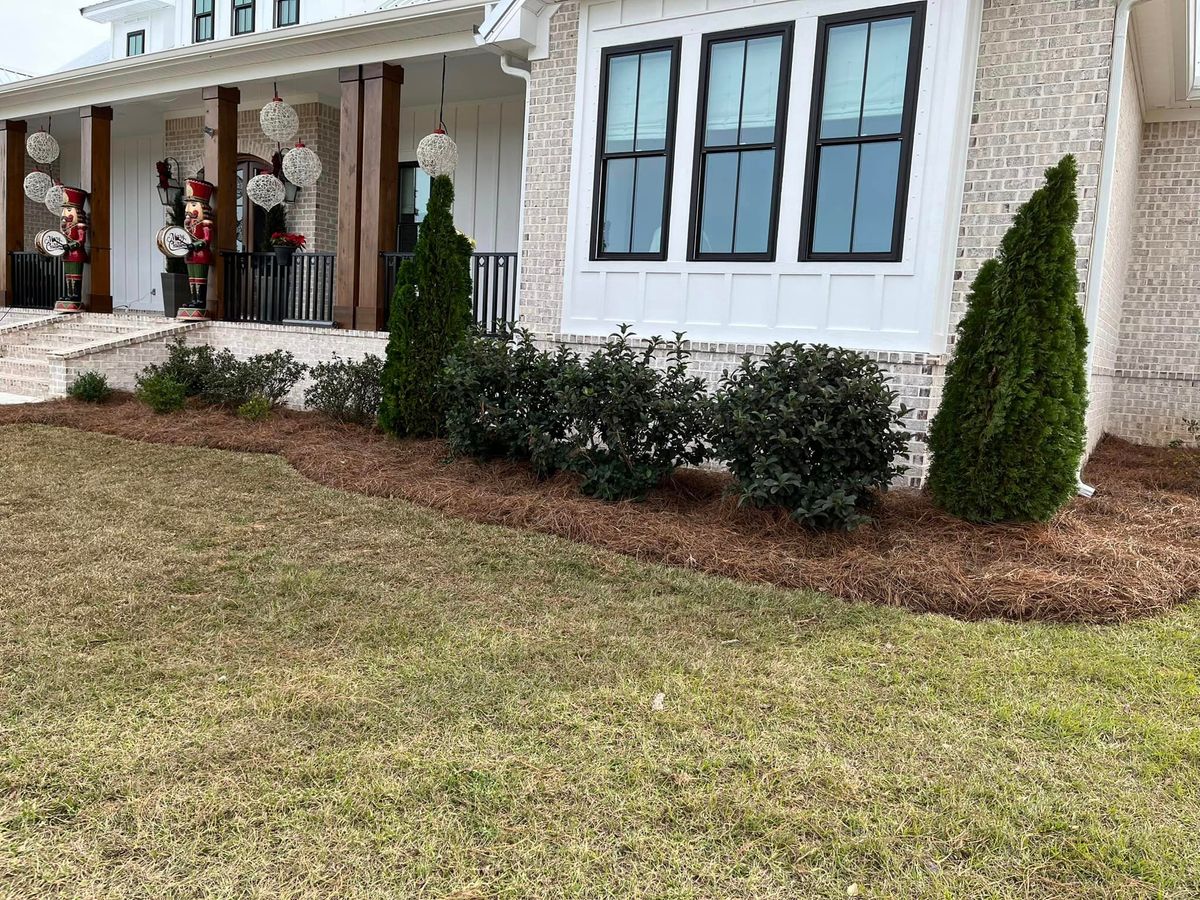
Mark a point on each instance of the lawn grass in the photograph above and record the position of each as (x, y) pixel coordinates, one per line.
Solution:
(218, 679)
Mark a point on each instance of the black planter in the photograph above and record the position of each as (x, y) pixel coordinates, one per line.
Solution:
(175, 293)
(283, 256)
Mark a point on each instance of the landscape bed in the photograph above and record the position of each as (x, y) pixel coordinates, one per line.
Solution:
(1130, 551)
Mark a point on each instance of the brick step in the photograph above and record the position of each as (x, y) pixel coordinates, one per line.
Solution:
(34, 368)
(26, 385)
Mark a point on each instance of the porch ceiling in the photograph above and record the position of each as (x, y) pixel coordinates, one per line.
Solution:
(289, 55)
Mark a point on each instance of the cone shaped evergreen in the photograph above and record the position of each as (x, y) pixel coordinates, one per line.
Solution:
(430, 315)
(1009, 435)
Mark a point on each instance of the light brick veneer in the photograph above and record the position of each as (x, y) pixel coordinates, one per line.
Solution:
(1157, 376)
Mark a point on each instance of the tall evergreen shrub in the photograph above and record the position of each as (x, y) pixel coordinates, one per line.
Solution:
(1009, 435)
(430, 316)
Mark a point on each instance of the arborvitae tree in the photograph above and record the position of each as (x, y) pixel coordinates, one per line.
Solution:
(1009, 435)
(430, 315)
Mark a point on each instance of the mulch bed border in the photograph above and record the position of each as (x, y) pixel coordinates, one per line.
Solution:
(1132, 551)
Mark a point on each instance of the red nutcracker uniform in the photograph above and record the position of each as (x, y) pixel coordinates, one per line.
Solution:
(198, 223)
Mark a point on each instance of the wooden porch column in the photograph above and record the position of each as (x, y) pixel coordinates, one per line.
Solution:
(349, 196)
(95, 177)
(12, 201)
(220, 168)
(380, 189)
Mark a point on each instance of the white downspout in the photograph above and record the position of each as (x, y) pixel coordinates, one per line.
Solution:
(508, 68)
(1108, 167)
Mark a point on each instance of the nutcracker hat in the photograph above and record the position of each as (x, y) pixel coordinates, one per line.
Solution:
(73, 196)
(200, 190)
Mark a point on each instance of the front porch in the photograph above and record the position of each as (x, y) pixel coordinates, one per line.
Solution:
(361, 218)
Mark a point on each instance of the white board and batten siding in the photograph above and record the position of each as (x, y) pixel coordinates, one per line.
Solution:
(889, 306)
(487, 181)
(137, 214)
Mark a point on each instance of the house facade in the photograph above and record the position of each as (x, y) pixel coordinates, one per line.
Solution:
(817, 170)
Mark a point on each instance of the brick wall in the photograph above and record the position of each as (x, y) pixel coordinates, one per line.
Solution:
(314, 213)
(1157, 374)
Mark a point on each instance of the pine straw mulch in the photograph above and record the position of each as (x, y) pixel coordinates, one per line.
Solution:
(1133, 550)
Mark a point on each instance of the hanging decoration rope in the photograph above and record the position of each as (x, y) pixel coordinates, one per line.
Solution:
(265, 191)
(42, 147)
(279, 121)
(36, 185)
(437, 153)
(302, 166)
(55, 197)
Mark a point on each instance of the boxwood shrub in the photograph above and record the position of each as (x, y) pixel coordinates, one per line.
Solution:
(220, 378)
(811, 428)
(346, 390)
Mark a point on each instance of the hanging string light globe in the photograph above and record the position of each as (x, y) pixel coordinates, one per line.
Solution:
(437, 153)
(55, 197)
(279, 121)
(302, 166)
(36, 185)
(265, 191)
(42, 147)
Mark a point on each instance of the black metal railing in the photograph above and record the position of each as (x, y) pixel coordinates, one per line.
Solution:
(258, 288)
(37, 280)
(493, 279)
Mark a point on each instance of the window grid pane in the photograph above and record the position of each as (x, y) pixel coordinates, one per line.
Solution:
(633, 163)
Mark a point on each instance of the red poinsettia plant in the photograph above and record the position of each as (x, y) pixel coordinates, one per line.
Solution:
(288, 239)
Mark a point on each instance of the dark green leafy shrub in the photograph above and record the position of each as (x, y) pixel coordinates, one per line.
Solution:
(812, 429)
(1009, 435)
(632, 422)
(161, 393)
(270, 376)
(346, 390)
(430, 316)
(194, 367)
(501, 400)
(256, 409)
(91, 387)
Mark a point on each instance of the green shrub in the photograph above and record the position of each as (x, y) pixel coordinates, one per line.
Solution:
(270, 376)
(346, 390)
(632, 423)
(430, 317)
(256, 409)
(501, 400)
(91, 387)
(1009, 435)
(161, 393)
(194, 367)
(812, 429)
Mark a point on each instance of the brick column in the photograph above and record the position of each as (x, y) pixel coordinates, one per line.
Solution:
(380, 189)
(95, 177)
(12, 201)
(349, 213)
(220, 168)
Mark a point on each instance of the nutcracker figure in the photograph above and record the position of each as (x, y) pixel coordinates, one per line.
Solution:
(198, 223)
(71, 244)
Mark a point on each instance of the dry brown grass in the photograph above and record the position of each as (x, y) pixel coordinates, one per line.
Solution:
(1131, 551)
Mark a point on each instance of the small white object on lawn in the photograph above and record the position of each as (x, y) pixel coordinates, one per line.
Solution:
(659, 703)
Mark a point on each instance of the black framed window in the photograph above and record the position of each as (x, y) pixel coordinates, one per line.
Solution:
(243, 16)
(635, 150)
(860, 142)
(202, 20)
(739, 143)
(287, 12)
(135, 43)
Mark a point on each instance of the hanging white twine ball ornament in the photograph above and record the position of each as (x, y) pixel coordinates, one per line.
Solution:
(55, 197)
(42, 147)
(265, 191)
(437, 153)
(279, 121)
(36, 185)
(302, 166)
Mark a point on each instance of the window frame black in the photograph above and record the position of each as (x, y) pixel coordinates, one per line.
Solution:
(234, 7)
(675, 46)
(279, 5)
(211, 16)
(140, 33)
(787, 30)
(912, 88)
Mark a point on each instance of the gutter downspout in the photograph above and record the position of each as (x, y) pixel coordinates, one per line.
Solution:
(507, 67)
(1108, 167)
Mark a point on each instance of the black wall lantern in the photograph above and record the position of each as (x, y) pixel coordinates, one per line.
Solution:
(169, 187)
